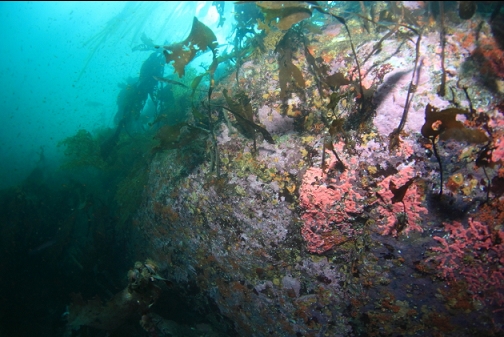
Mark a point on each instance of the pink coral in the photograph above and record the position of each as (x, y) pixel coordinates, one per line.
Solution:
(498, 152)
(475, 255)
(410, 207)
(328, 205)
(498, 144)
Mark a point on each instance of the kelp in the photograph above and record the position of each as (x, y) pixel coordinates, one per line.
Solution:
(442, 87)
(316, 70)
(210, 73)
(378, 45)
(109, 144)
(170, 81)
(266, 135)
(287, 70)
(146, 45)
(359, 75)
(247, 15)
(444, 125)
(196, 82)
(129, 190)
(215, 165)
(242, 110)
(336, 80)
(241, 106)
(394, 135)
(402, 14)
(289, 13)
(365, 23)
(82, 150)
(176, 136)
(236, 54)
(200, 38)
(333, 101)
(319, 72)
(126, 25)
(400, 192)
(284, 14)
(328, 145)
(335, 129)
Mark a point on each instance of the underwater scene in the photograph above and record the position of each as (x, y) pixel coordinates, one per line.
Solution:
(214, 168)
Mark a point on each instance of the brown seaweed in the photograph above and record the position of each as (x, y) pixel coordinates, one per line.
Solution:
(176, 136)
(394, 135)
(195, 82)
(335, 129)
(444, 125)
(287, 70)
(267, 136)
(213, 67)
(328, 145)
(442, 87)
(316, 70)
(170, 81)
(365, 23)
(336, 80)
(359, 75)
(400, 192)
(284, 14)
(241, 106)
(334, 100)
(200, 38)
(378, 45)
(242, 110)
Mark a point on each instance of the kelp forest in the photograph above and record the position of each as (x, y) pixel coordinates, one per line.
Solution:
(336, 169)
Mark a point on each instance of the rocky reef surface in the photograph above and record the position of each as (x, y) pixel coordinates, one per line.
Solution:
(376, 210)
